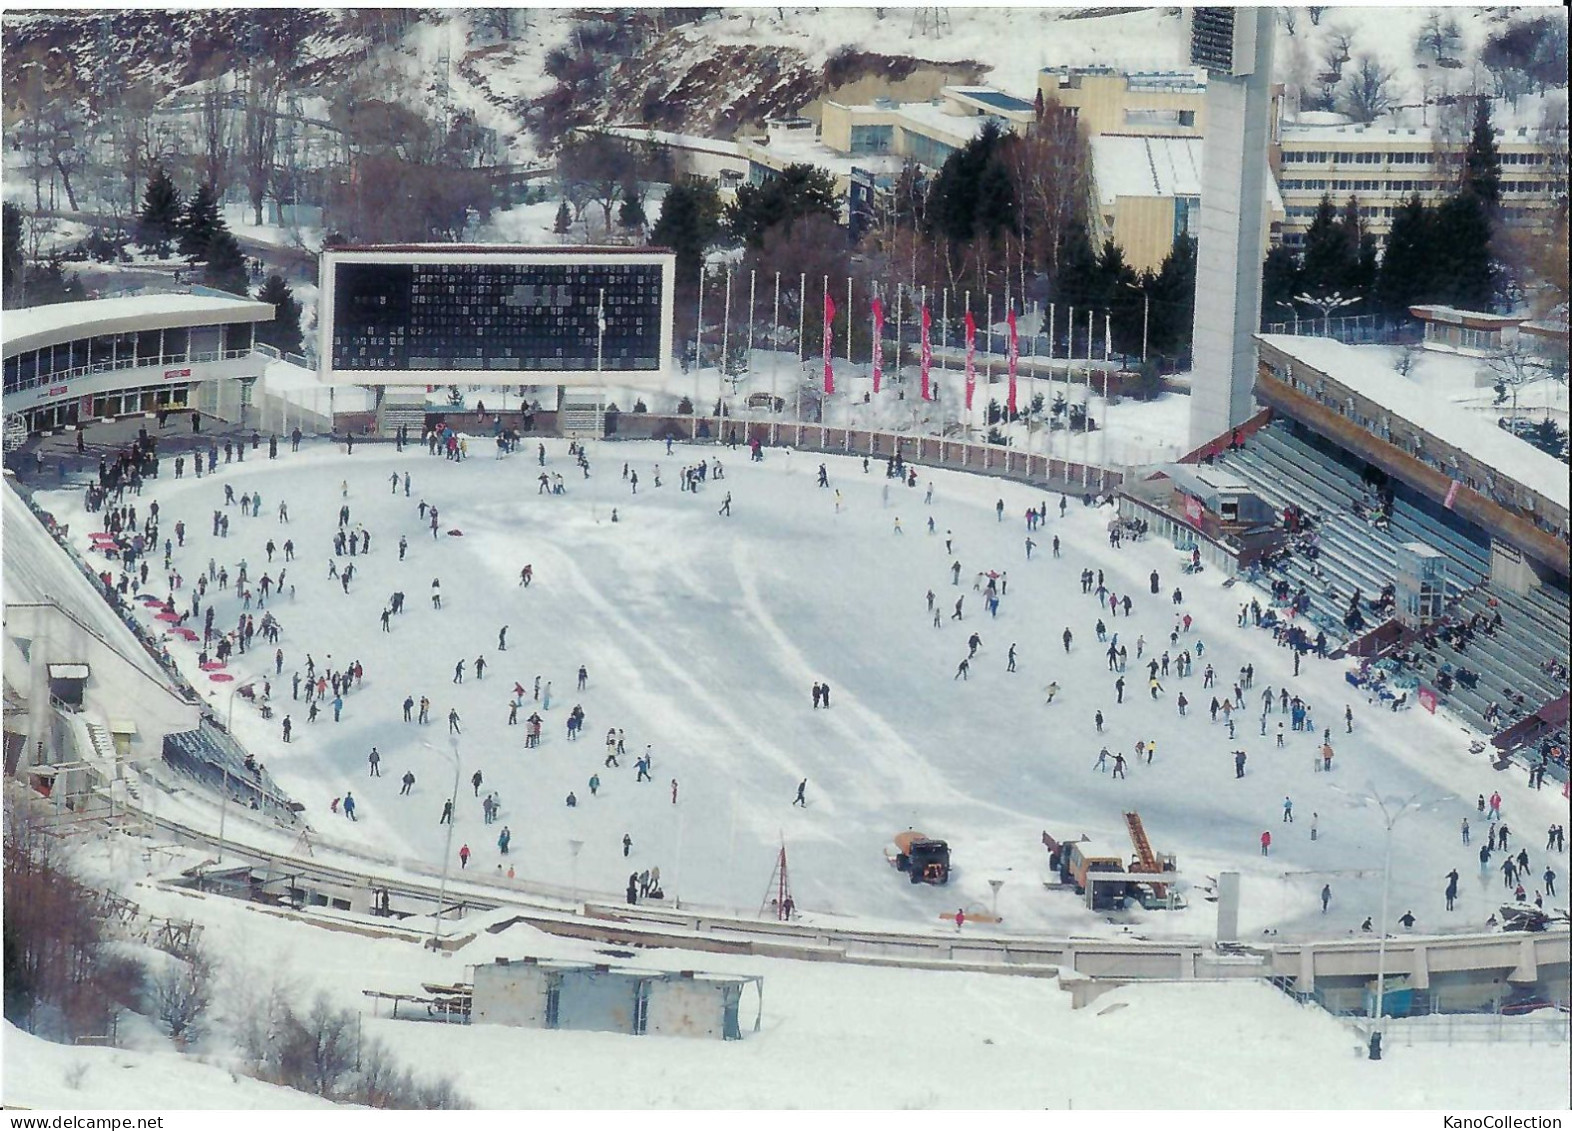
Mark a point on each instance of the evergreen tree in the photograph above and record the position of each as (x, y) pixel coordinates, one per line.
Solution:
(799, 190)
(1465, 275)
(49, 282)
(12, 259)
(200, 223)
(631, 212)
(1328, 258)
(283, 333)
(1172, 294)
(564, 219)
(1077, 281)
(158, 224)
(689, 221)
(1279, 284)
(226, 264)
(1407, 271)
(973, 194)
(1482, 162)
(1361, 250)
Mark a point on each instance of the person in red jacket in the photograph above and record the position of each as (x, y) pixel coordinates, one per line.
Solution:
(464, 857)
(960, 918)
(1266, 843)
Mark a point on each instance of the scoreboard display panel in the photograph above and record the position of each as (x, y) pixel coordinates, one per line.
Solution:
(441, 314)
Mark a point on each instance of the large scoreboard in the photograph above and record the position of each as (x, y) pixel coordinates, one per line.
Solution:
(437, 314)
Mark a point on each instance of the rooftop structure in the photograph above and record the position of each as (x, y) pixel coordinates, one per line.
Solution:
(1106, 101)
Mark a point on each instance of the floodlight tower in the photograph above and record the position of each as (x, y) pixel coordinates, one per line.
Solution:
(1234, 45)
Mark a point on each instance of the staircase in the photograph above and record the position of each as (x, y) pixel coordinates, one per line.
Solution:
(401, 408)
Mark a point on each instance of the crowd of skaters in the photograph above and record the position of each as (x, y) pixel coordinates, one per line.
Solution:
(353, 540)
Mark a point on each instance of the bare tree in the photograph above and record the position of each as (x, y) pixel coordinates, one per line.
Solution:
(1051, 167)
(183, 991)
(1368, 90)
(593, 168)
(263, 89)
(213, 163)
(1438, 36)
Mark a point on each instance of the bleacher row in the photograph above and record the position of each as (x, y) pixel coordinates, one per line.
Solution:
(1285, 470)
(213, 757)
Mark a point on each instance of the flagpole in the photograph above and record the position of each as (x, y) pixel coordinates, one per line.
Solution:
(969, 373)
(698, 353)
(944, 333)
(1086, 401)
(899, 287)
(802, 346)
(1031, 381)
(849, 320)
(989, 362)
(775, 355)
(753, 279)
(725, 361)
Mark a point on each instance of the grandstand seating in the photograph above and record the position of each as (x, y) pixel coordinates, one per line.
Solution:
(1285, 469)
(214, 758)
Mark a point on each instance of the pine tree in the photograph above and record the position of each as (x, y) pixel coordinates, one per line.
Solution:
(1407, 272)
(801, 190)
(1482, 162)
(690, 220)
(564, 219)
(199, 223)
(226, 264)
(1172, 293)
(631, 213)
(1279, 285)
(1360, 248)
(283, 333)
(1328, 260)
(158, 224)
(1465, 275)
(14, 262)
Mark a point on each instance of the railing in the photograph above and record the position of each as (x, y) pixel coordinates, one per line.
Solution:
(1353, 329)
(1547, 1026)
(1076, 477)
(203, 358)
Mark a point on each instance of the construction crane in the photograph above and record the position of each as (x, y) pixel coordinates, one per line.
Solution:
(1146, 860)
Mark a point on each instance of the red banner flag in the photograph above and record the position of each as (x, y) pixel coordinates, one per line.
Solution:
(927, 353)
(829, 316)
(1451, 494)
(878, 344)
(971, 358)
(1015, 354)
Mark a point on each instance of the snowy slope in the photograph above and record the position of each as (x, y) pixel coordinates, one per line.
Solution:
(831, 1036)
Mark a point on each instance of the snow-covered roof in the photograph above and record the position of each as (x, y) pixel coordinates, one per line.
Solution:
(1126, 165)
(1370, 376)
(35, 326)
(1146, 166)
(1300, 132)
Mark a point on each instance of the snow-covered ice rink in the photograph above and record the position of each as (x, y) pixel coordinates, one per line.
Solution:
(702, 636)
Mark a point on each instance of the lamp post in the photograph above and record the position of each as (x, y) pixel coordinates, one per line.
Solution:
(1293, 312)
(229, 727)
(1389, 817)
(1326, 304)
(447, 850)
